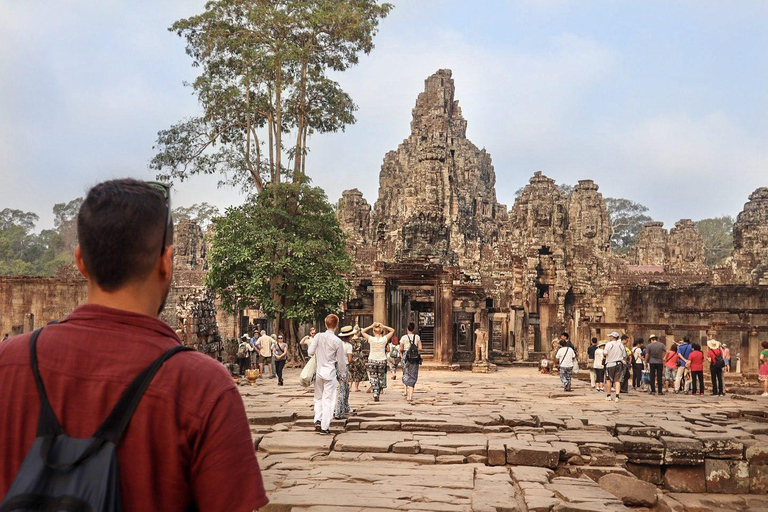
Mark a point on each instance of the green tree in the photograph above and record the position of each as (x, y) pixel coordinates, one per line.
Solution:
(627, 219)
(717, 234)
(65, 222)
(202, 214)
(283, 252)
(264, 69)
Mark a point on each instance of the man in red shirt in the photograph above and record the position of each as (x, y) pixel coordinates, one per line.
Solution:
(188, 442)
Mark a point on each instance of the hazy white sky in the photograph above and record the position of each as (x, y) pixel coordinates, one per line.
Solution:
(662, 102)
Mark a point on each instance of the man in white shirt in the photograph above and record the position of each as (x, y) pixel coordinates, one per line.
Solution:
(328, 351)
(615, 356)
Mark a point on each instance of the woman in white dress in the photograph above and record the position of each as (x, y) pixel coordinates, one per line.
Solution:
(377, 357)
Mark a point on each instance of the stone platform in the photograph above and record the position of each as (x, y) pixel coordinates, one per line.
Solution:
(510, 441)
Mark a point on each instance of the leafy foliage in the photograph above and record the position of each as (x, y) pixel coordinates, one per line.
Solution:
(202, 214)
(264, 69)
(23, 252)
(284, 252)
(717, 234)
(627, 219)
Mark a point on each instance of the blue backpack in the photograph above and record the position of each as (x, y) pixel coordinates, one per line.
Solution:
(66, 474)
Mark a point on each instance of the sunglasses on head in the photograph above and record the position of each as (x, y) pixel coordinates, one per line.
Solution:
(166, 191)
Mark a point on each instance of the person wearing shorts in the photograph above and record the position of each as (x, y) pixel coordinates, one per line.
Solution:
(615, 356)
(670, 367)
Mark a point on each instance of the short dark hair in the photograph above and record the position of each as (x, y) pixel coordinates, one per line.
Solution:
(594, 340)
(562, 343)
(624, 337)
(411, 326)
(565, 334)
(120, 228)
(687, 339)
(696, 346)
(764, 344)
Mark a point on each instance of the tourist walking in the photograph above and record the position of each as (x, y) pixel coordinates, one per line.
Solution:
(271, 358)
(329, 353)
(280, 354)
(591, 356)
(683, 351)
(264, 352)
(191, 421)
(638, 364)
(566, 357)
(716, 365)
(654, 356)
(670, 367)
(763, 377)
(410, 348)
(358, 372)
(696, 366)
(243, 354)
(377, 356)
(599, 366)
(342, 402)
(727, 357)
(627, 364)
(393, 356)
(615, 363)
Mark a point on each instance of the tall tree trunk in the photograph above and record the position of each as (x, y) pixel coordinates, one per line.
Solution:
(278, 125)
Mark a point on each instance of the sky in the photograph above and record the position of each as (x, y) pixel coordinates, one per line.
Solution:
(661, 102)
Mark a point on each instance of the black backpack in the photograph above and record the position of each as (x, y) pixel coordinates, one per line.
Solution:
(411, 355)
(719, 361)
(66, 474)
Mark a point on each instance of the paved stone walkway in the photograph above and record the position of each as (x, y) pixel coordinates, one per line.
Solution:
(510, 441)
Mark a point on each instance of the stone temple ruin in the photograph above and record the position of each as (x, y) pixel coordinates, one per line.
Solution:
(438, 249)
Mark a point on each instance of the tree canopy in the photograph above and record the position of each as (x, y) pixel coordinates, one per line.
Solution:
(264, 81)
(627, 219)
(282, 252)
(24, 252)
(201, 214)
(717, 234)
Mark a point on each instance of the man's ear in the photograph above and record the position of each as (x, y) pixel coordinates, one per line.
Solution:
(166, 264)
(79, 262)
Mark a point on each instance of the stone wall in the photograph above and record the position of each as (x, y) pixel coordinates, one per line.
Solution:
(27, 302)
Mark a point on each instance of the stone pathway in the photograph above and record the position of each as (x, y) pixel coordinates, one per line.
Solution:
(510, 441)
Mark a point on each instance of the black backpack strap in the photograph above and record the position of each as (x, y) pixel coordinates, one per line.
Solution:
(114, 426)
(47, 423)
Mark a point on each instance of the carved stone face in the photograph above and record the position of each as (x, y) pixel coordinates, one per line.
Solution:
(542, 215)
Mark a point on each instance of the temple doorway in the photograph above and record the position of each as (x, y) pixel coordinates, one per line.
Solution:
(414, 303)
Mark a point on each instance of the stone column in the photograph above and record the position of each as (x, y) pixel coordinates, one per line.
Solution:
(379, 300)
(444, 320)
(754, 353)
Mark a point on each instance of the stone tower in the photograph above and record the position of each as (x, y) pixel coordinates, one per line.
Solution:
(685, 249)
(651, 249)
(750, 240)
(437, 201)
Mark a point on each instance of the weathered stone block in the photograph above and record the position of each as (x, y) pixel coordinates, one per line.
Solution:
(545, 457)
(758, 478)
(497, 453)
(406, 447)
(680, 451)
(650, 474)
(721, 446)
(756, 452)
(727, 476)
(629, 490)
(531, 474)
(685, 479)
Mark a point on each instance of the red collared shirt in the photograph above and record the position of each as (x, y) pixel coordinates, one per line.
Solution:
(189, 438)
